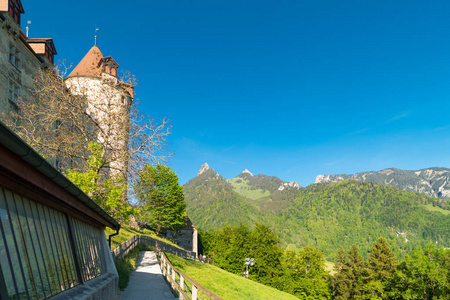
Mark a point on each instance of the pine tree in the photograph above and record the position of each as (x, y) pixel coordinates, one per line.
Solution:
(379, 270)
(348, 282)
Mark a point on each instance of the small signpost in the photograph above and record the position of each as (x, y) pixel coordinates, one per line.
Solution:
(248, 261)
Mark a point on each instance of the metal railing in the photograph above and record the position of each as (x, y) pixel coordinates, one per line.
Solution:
(132, 242)
(186, 287)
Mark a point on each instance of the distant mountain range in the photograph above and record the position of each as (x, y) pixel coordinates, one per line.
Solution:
(327, 215)
(433, 182)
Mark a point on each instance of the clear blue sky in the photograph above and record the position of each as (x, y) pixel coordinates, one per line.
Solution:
(291, 89)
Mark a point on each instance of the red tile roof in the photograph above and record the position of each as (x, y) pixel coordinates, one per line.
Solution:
(88, 66)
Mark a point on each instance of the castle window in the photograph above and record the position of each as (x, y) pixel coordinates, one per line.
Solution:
(13, 91)
(14, 56)
(48, 53)
(14, 11)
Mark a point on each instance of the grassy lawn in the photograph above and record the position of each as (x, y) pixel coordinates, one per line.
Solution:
(127, 232)
(430, 207)
(224, 284)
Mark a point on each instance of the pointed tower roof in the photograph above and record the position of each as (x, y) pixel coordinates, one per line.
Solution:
(89, 65)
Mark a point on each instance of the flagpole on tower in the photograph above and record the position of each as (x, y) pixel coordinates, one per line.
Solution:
(95, 36)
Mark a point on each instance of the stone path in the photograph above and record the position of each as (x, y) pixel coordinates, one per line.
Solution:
(147, 282)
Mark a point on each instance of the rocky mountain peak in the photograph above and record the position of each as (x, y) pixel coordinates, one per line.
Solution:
(203, 169)
(247, 172)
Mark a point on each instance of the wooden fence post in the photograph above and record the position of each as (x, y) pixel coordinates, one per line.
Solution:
(173, 278)
(182, 287)
(194, 292)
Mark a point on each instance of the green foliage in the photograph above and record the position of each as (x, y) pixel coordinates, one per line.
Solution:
(264, 248)
(305, 274)
(231, 245)
(423, 275)
(380, 268)
(108, 193)
(212, 203)
(205, 241)
(161, 197)
(348, 281)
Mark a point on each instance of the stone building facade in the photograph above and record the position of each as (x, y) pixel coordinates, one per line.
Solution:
(186, 238)
(20, 57)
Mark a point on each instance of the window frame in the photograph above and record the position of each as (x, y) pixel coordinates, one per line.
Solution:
(14, 91)
(14, 56)
(14, 11)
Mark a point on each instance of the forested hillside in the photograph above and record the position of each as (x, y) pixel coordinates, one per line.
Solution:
(433, 182)
(331, 215)
(212, 203)
(325, 216)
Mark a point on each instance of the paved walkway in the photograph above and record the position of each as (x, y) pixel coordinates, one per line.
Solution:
(147, 282)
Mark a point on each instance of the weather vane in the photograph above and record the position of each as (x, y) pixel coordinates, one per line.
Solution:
(95, 36)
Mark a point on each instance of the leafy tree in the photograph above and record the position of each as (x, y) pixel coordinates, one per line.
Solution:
(108, 193)
(233, 244)
(268, 255)
(306, 274)
(161, 197)
(423, 275)
(231, 247)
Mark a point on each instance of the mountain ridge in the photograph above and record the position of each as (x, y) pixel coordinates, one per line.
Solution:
(326, 215)
(434, 182)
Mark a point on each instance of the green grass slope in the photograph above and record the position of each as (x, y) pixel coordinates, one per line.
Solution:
(224, 284)
(242, 187)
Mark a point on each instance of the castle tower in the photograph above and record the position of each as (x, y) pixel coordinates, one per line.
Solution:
(108, 102)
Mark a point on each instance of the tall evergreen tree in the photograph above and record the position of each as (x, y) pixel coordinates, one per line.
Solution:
(380, 268)
(348, 282)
